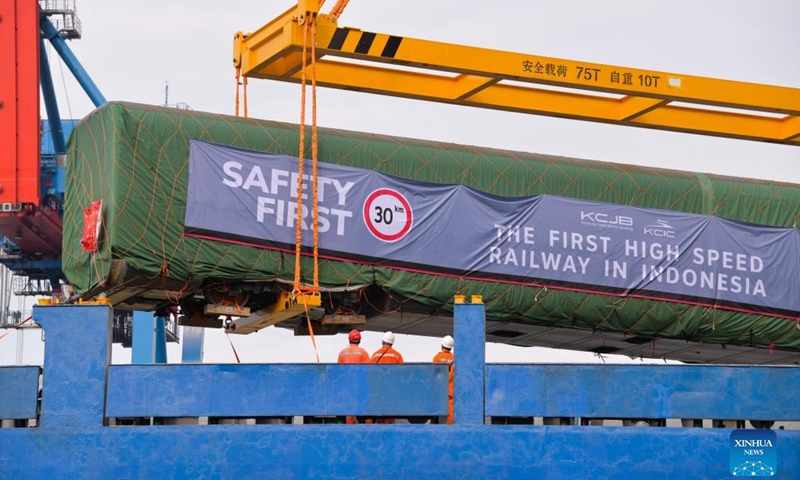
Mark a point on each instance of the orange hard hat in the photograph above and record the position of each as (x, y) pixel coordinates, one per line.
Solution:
(354, 336)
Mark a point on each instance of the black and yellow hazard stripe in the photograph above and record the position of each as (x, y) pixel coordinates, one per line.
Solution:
(365, 43)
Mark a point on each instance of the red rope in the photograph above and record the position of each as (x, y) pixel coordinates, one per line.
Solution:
(233, 348)
(24, 322)
(311, 332)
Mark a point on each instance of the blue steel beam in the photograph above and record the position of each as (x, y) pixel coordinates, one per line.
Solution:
(35, 269)
(160, 338)
(276, 390)
(77, 353)
(643, 391)
(16, 264)
(50, 102)
(67, 125)
(469, 330)
(376, 451)
(149, 342)
(19, 390)
(51, 33)
(49, 149)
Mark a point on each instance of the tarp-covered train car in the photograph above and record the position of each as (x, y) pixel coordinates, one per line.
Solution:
(135, 159)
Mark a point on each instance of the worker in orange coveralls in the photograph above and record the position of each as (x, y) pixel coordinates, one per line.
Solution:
(446, 356)
(387, 354)
(353, 354)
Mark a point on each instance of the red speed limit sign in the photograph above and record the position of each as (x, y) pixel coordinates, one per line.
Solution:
(387, 214)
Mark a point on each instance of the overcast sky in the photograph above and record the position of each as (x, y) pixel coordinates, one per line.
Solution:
(132, 48)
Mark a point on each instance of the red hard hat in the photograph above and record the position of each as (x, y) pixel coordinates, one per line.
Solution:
(354, 336)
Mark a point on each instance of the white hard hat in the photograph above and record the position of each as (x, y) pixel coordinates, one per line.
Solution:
(447, 342)
(388, 337)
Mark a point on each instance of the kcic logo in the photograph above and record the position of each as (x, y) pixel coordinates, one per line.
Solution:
(660, 229)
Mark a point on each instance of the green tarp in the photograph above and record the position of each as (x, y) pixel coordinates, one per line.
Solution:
(135, 157)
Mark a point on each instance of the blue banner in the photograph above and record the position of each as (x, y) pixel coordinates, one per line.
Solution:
(365, 216)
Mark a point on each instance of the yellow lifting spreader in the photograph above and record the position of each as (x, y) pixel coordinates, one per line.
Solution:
(287, 307)
(644, 98)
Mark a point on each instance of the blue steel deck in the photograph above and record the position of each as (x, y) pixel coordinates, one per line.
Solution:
(19, 388)
(652, 391)
(80, 390)
(275, 390)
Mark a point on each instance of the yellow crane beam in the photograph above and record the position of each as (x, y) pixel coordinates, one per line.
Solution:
(353, 59)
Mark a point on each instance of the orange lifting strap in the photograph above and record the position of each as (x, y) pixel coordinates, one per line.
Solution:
(309, 24)
(243, 82)
(236, 100)
(298, 288)
(338, 9)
